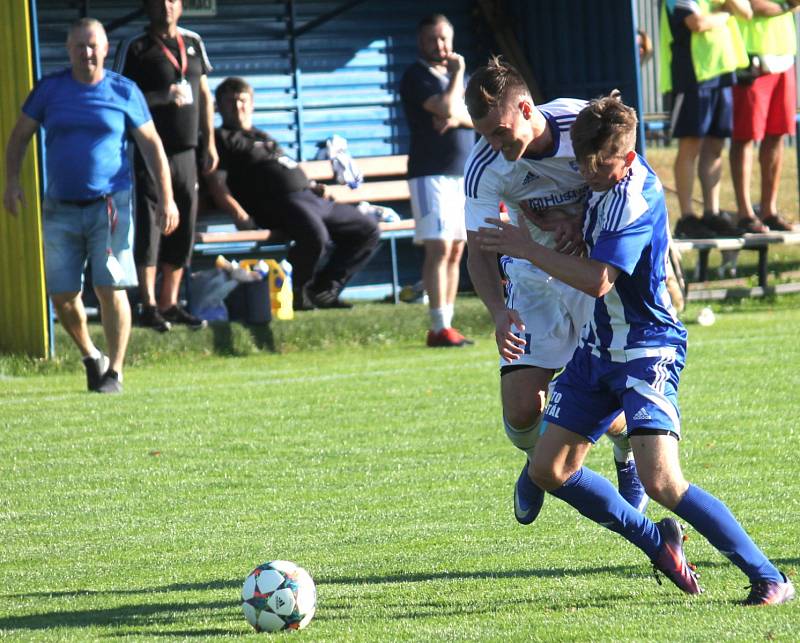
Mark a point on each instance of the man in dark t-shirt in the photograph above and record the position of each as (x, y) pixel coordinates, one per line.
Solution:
(432, 91)
(169, 64)
(259, 186)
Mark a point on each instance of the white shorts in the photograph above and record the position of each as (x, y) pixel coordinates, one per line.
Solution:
(553, 314)
(437, 203)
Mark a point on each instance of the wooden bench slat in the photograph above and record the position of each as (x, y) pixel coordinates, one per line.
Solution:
(237, 236)
(376, 191)
(262, 236)
(370, 166)
(402, 224)
(396, 165)
(318, 170)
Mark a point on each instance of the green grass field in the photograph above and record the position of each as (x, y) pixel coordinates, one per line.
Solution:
(383, 470)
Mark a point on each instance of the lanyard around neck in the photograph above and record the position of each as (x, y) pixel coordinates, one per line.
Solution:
(184, 64)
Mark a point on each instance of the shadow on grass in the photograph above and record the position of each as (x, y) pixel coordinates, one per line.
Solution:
(132, 615)
(223, 339)
(620, 570)
(229, 339)
(123, 615)
(263, 337)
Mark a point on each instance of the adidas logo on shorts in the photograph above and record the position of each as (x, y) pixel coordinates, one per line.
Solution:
(642, 414)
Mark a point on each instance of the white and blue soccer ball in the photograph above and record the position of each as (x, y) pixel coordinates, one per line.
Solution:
(279, 595)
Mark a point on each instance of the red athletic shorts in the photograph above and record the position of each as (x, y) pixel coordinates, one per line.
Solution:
(766, 106)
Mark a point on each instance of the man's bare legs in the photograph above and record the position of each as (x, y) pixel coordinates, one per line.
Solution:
(709, 171)
(116, 316)
(440, 275)
(72, 316)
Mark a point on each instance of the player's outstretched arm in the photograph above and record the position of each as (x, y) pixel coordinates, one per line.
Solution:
(587, 275)
(566, 224)
(149, 144)
(21, 135)
(485, 276)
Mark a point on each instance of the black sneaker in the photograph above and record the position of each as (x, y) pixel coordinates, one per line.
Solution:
(302, 301)
(719, 225)
(691, 227)
(328, 299)
(179, 315)
(751, 225)
(95, 367)
(109, 383)
(776, 223)
(151, 318)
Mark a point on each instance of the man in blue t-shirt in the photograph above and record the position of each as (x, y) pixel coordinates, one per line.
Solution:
(432, 90)
(629, 359)
(88, 115)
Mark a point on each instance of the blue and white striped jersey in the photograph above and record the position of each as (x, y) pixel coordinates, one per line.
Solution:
(543, 182)
(627, 227)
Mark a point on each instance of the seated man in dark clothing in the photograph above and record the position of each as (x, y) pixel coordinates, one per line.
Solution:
(261, 187)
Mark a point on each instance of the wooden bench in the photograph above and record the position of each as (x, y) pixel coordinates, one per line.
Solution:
(218, 235)
(760, 243)
(376, 187)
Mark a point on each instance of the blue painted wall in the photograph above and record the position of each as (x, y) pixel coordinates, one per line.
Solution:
(580, 48)
(348, 68)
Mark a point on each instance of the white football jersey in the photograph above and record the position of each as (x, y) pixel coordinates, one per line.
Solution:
(544, 182)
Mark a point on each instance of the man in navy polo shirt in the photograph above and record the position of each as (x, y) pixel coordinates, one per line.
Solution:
(432, 90)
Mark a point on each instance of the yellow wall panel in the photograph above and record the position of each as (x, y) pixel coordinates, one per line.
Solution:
(24, 326)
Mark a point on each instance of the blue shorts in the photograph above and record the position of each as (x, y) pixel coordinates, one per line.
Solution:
(590, 392)
(101, 233)
(703, 112)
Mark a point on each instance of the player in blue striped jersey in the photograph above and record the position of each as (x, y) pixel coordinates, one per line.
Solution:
(629, 358)
(525, 155)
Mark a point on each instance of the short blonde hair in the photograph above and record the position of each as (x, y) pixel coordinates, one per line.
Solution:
(86, 23)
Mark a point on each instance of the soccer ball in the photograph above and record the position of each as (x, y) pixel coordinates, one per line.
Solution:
(279, 596)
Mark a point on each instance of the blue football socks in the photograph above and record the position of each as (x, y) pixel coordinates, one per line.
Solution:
(597, 499)
(710, 517)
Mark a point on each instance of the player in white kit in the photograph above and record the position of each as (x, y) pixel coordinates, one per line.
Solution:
(525, 155)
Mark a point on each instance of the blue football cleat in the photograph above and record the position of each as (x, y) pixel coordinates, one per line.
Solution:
(528, 498)
(630, 487)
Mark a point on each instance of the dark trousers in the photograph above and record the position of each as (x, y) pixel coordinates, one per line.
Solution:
(150, 247)
(332, 241)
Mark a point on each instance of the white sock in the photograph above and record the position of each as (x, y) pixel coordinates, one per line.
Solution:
(93, 353)
(447, 310)
(524, 439)
(437, 319)
(622, 447)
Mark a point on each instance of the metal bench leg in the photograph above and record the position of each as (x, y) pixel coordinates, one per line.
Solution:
(762, 267)
(702, 264)
(395, 275)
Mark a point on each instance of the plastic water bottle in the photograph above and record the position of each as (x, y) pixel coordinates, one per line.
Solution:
(279, 276)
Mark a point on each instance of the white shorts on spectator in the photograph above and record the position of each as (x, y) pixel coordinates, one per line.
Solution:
(437, 203)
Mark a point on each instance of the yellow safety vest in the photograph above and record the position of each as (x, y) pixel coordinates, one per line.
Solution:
(769, 35)
(714, 52)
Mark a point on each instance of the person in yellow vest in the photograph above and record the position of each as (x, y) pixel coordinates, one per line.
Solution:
(701, 48)
(764, 106)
